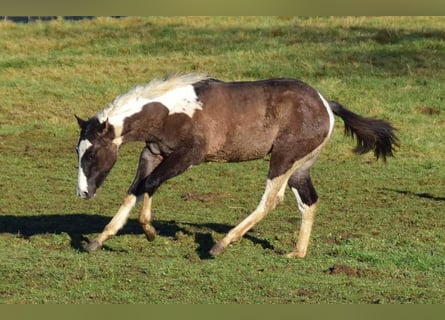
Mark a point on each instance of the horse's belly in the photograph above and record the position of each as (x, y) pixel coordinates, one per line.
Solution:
(235, 148)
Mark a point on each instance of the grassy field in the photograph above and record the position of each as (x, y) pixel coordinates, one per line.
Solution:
(379, 233)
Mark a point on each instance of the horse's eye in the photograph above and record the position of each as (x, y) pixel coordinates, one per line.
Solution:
(90, 156)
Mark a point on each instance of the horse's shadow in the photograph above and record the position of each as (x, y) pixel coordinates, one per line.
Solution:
(422, 195)
(80, 224)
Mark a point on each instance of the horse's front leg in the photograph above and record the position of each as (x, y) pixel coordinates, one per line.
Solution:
(161, 169)
(118, 221)
(148, 161)
(145, 219)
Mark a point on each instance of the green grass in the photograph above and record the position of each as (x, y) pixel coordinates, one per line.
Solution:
(378, 235)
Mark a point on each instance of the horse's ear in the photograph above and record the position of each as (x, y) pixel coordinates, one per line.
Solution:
(80, 121)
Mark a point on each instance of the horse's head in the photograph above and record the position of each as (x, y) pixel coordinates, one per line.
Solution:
(97, 154)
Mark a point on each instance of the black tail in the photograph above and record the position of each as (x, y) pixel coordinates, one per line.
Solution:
(371, 134)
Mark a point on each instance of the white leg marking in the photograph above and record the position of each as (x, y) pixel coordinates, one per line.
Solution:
(267, 203)
(308, 216)
(301, 205)
(145, 218)
(274, 189)
(119, 219)
(280, 195)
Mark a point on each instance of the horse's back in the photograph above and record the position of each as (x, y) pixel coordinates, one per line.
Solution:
(242, 120)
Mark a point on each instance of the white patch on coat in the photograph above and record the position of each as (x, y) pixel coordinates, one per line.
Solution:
(176, 93)
(301, 205)
(331, 114)
(115, 114)
(82, 182)
(181, 100)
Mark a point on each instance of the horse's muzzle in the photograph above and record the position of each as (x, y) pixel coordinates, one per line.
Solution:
(84, 194)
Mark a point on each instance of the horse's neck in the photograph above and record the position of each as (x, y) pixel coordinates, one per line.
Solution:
(127, 137)
(131, 135)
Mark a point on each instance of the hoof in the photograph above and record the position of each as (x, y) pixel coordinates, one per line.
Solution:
(149, 231)
(295, 254)
(217, 249)
(93, 245)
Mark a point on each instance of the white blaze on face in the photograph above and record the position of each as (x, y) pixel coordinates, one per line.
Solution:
(82, 183)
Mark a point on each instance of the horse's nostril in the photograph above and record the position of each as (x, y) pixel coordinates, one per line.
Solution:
(83, 194)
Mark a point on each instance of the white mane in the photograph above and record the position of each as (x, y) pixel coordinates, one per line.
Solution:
(126, 104)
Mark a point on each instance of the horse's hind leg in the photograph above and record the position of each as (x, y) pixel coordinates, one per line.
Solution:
(301, 185)
(282, 166)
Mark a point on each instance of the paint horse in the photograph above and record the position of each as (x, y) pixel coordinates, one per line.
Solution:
(188, 119)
